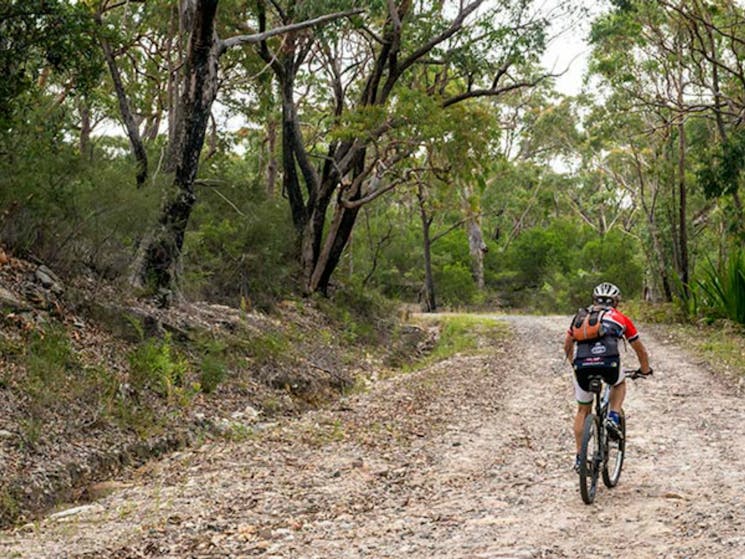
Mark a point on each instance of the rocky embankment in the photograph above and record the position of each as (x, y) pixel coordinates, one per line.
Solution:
(72, 417)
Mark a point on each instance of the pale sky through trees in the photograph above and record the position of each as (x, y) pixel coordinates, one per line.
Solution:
(570, 51)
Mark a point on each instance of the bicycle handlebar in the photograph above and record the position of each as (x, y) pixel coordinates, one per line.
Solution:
(634, 374)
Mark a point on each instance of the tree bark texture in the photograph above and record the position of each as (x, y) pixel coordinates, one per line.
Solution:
(682, 208)
(477, 247)
(160, 253)
(270, 170)
(347, 162)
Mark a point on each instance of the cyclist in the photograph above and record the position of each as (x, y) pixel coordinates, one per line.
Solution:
(601, 356)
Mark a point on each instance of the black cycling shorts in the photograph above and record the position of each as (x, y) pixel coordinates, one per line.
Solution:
(610, 371)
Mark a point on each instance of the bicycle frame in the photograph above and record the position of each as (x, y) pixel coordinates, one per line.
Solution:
(597, 448)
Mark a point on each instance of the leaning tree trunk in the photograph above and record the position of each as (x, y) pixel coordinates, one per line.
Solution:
(128, 117)
(330, 254)
(159, 256)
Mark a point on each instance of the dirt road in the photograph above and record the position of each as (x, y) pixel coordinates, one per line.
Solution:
(468, 459)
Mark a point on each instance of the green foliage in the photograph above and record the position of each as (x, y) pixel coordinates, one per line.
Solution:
(235, 258)
(36, 35)
(555, 268)
(55, 377)
(655, 313)
(9, 507)
(158, 366)
(63, 208)
(721, 169)
(268, 346)
(212, 366)
(361, 312)
(48, 357)
(723, 289)
(455, 286)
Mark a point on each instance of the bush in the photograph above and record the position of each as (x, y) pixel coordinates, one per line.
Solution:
(454, 285)
(555, 268)
(241, 259)
(62, 208)
(722, 290)
(156, 365)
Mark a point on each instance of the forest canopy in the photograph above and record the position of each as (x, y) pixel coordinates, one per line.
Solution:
(246, 152)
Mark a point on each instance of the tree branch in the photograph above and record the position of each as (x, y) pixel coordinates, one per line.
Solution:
(259, 37)
(493, 92)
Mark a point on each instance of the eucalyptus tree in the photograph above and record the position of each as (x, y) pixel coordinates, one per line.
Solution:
(716, 45)
(678, 65)
(623, 177)
(538, 141)
(48, 61)
(158, 257)
(387, 75)
(641, 53)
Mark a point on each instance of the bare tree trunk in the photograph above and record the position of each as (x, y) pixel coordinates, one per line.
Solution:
(430, 303)
(682, 187)
(338, 235)
(271, 158)
(85, 130)
(290, 178)
(660, 258)
(128, 118)
(376, 249)
(682, 208)
(158, 259)
(719, 102)
(477, 247)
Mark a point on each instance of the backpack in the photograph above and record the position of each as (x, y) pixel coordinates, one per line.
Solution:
(587, 324)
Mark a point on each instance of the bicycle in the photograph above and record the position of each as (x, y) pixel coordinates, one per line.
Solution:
(599, 452)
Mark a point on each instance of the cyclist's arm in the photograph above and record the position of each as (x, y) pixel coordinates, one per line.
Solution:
(641, 353)
(569, 346)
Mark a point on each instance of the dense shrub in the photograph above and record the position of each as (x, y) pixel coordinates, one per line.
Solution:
(721, 291)
(555, 268)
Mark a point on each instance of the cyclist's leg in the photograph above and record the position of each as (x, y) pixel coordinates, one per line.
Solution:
(583, 410)
(618, 389)
(584, 404)
(617, 395)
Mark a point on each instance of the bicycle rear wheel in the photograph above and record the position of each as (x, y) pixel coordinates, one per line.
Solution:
(615, 452)
(589, 460)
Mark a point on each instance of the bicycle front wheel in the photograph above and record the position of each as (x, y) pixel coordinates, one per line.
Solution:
(614, 453)
(589, 460)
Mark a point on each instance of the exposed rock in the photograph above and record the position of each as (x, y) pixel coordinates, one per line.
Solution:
(11, 302)
(248, 415)
(48, 280)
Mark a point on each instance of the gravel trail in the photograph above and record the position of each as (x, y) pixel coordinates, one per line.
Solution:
(470, 458)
